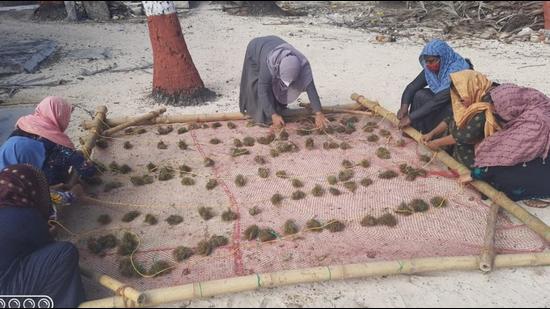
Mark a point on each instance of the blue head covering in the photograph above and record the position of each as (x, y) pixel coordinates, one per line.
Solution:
(451, 62)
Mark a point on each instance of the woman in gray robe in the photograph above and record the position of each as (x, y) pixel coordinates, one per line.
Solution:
(274, 75)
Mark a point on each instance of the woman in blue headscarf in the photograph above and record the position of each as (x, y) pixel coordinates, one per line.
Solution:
(424, 108)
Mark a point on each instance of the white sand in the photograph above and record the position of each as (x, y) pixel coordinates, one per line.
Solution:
(343, 61)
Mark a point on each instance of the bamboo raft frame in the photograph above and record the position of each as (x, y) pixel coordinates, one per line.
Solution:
(485, 262)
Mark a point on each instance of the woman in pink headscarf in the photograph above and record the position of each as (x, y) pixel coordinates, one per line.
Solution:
(514, 159)
(40, 140)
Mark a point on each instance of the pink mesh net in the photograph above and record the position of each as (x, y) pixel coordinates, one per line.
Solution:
(455, 230)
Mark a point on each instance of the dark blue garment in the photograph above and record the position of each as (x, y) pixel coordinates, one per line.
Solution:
(32, 264)
(18, 149)
(22, 230)
(519, 182)
(56, 159)
(451, 62)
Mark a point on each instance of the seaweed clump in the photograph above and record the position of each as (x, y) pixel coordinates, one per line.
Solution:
(314, 226)
(252, 232)
(166, 173)
(182, 145)
(130, 270)
(260, 160)
(438, 202)
(345, 146)
(318, 191)
(141, 181)
(389, 174)
(266, 140)
(276, 199)
(369, 221)
(131, 216)
(150, 219)
(351, 186)
(334, 191)
(346, 175)
(206, 213)
(335, 226)
(165, 130)
(290, 227)
(174, 220)
(330, 145)
(249, 141)
(411, 172)
(383, 153)
(215, 141)
(310, 144)
(365, 182)
(182, 253)
(240, 181)
(298, 195)
(104, 219)
(211, 184)
(297, 183)
(237, 152)
(266, 235)
(209, 162)
(162, 146)
(254, 211)
(263, 172)
(128, 244)
(229, 215)
(102, 143)
(388, 220)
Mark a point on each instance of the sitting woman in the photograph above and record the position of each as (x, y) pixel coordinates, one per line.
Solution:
(424, 108)
(39, 140)
(274, 75)
(513, 160)
(31, 262)
(472, 120)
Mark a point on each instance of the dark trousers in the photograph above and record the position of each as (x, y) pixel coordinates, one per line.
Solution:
(52, 271)
(434, 118)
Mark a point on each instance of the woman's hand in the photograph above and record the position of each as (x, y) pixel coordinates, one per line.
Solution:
(433, 145)
(405, 122)
(426, 138)
(465, 179)
(321, 121)
(403, 112)
(278, 121)
(78, 191)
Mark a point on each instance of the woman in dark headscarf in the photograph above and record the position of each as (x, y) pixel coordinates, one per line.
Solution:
(274, 75)
(31, 262)
(424, 108)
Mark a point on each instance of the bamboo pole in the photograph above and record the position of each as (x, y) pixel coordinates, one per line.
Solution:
(170, 119)
(161, 296)
(97, 129)
(136, 121)
(114, 285)
(498, 197)
(191, 118)
(89, 144)
(488, 251)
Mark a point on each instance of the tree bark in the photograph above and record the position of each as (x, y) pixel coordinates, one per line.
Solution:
(70, 7)
(175, 77)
